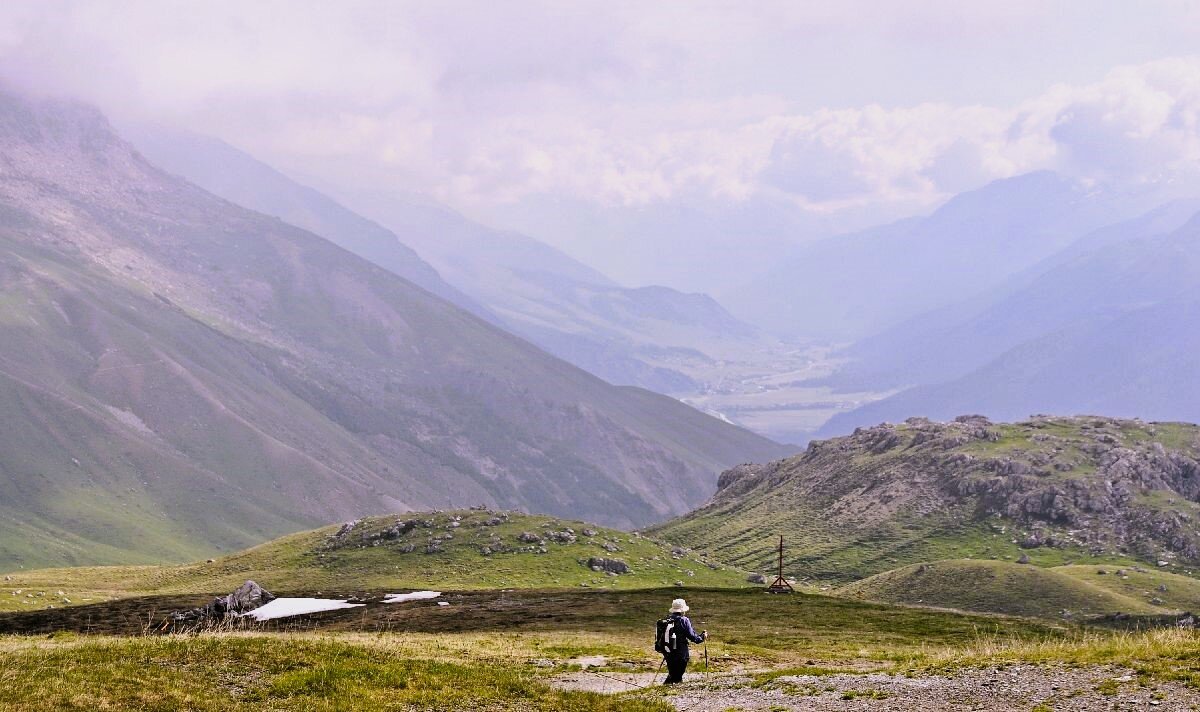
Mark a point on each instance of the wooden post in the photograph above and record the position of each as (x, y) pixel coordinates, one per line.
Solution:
(780, 585)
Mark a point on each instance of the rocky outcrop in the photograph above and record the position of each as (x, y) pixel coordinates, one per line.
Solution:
(1101, 484)
(246, 598)
(613, 566)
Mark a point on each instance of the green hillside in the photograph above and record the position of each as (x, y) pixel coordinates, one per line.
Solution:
(1160, 589)
(455, 550)
(994, 587)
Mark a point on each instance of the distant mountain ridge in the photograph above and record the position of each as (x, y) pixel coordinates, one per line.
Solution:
(1110, 327)
(179, 374)
(568, 308)
(852, 286)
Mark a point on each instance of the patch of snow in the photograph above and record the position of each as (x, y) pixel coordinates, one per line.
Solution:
(285, 607)
(129, 419)
(414, 596)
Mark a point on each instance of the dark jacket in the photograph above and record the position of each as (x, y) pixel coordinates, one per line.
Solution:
(685, 633)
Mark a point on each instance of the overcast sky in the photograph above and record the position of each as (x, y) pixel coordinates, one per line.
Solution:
(647, 127)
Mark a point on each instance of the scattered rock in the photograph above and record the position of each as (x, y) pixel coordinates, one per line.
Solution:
(756, 578)
(1024, 559)
(617, 566)
(529, 538)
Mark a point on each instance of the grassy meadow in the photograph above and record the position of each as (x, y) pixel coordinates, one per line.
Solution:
(524, 608)
(489, 650)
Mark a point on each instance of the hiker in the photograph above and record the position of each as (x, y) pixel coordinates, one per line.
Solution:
(672, 638)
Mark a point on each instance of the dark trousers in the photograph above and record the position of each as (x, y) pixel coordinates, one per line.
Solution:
(677, 663)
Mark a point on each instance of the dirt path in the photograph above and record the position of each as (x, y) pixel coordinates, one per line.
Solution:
(1022, 688)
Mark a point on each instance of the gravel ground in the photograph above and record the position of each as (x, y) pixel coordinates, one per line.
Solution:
(1024, 688)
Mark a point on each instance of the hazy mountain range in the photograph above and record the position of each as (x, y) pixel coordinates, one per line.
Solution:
(998, 302)
(1107, 325)
(179, 373)
(853, 286)
(534, 290)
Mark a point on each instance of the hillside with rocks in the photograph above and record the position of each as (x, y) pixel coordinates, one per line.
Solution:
(181, 376)
(1048, 490)
(478, 549)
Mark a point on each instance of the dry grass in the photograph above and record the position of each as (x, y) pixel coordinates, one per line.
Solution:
(282, 672)
(1163, 654)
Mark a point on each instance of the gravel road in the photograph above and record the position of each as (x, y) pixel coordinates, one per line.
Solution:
(1014, 687)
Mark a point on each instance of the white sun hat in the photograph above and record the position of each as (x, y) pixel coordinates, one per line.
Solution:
(679, 606)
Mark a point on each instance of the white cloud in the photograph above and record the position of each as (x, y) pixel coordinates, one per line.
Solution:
(629, 104)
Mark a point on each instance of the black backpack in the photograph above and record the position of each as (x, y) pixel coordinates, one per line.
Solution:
(664, 636)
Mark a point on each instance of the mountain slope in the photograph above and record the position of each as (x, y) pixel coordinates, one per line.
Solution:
(182, 374)
(852, 286)
(1053, 489)
(239, 178)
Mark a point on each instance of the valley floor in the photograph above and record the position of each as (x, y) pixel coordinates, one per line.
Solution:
(771, 391)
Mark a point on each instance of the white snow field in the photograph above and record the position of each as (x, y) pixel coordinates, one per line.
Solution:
(414, 596)
(284, 607)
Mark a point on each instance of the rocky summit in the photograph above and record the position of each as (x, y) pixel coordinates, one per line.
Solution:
(1050, 490)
